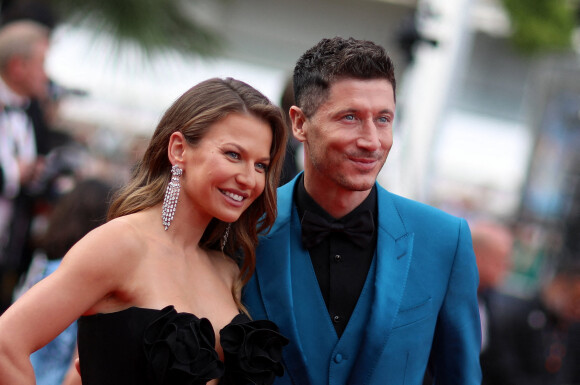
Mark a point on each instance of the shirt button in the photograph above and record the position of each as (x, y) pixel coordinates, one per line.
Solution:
(337, 258)
(336, 319)
(338, 358)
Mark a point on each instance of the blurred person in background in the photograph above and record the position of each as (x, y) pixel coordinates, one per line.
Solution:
(493, 246)
(23, 47)
(41, 12)
(75, 214)
(157, 288)
(541, 335)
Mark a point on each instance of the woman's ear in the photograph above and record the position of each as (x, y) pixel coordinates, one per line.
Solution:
(298, 119)
(176, 147)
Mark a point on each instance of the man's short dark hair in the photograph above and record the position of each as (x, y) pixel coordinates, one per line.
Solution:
(334, 59)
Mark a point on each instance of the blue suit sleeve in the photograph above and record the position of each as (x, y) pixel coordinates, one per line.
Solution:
(457, 341)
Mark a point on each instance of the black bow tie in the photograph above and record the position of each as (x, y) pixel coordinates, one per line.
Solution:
(315, 228)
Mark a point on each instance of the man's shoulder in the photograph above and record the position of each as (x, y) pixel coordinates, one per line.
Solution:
(412, 209)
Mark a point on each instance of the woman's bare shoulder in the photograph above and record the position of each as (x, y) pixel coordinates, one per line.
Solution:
(121, 235)
(105, 260)
(107, 251)
(227, 266)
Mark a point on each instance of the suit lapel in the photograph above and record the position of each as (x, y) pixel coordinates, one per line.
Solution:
(394, 252)
(273, 272)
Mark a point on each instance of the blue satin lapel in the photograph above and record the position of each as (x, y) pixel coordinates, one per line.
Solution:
(273, 274)
(394, 253)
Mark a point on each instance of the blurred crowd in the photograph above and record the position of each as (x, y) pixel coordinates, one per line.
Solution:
(39, 160)
(55, 183)
(526, 340)
(54, 189)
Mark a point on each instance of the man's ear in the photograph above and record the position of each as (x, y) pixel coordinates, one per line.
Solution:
(176, 147)
(298, 119)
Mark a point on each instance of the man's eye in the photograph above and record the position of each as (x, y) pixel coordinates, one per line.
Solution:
(383, 119)
(349, 117)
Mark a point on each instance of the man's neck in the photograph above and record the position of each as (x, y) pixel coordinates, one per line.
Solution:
(9, 95)
(336, 201)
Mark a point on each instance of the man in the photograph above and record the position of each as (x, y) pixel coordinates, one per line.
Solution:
(493, 243)
(23, 47)
(540, 335)
(381, 305)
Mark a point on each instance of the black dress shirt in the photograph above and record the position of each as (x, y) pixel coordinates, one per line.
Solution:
(341, 266)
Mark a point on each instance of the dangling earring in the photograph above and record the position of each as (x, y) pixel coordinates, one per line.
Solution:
(225, 236)
(171, 195)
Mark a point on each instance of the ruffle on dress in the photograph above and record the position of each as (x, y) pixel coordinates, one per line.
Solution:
(252, 351)
(180, 349)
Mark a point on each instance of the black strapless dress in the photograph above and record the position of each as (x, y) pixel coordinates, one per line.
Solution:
(139, 346)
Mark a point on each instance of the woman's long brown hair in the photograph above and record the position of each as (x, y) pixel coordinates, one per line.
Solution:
(193, 114)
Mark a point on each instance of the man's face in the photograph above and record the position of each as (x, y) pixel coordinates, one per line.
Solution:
(347, 140)
(34, 81)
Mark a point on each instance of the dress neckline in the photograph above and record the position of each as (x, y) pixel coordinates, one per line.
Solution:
(168, 308)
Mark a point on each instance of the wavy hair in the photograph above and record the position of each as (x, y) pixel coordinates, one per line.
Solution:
(334, 59)
(193, 114)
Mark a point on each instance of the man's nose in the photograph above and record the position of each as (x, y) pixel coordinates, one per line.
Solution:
(369, 138)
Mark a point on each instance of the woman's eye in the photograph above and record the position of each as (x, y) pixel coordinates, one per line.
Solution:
(262, 167)
(233, 155)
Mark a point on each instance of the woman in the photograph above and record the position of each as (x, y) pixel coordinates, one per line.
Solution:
(157, 288)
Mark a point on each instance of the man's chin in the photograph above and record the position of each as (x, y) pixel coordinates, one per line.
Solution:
(359, 184)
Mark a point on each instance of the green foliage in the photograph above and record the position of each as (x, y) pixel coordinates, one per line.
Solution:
(540, 25)
(154, 25)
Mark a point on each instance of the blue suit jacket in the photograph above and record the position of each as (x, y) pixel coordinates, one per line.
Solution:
(418, 306)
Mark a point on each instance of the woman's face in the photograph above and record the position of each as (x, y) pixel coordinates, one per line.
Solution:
(226, 171)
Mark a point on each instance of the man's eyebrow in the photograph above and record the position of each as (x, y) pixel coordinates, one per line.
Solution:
(347, 110)
(355, 110)
(387, 111)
